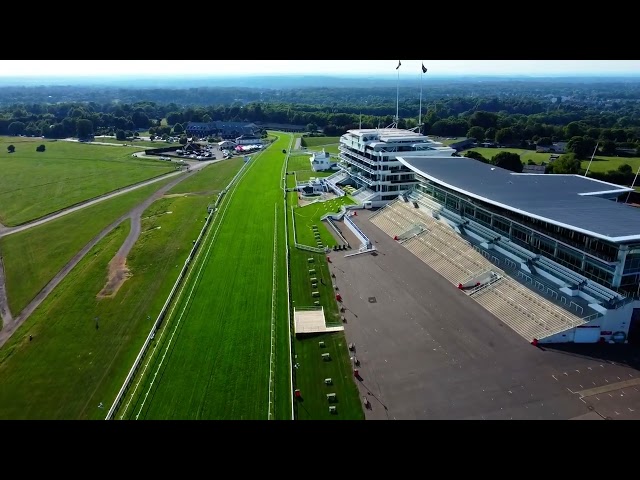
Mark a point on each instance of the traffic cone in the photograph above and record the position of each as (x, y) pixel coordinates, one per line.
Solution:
(534, 342)
(395, 237)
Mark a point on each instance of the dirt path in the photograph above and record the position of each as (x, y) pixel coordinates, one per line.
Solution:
(5, 313)
(118, 271)
(117, 266)
(9, 230)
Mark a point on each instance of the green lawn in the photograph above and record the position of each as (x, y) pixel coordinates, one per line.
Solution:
(303, 176)
(34, 184)
(314, 142)
(299, 162)
(600, 163)
(34, 256)
(312, 370)
(210, 179)
(307, 216)
(137, 144)
(329, 148)
(70, 367)
(224, 353)
(447, 140)
(56, 375)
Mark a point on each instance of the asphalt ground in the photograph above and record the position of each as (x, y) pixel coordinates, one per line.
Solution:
(427, 351)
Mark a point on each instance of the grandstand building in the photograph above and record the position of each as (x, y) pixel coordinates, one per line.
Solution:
(369, 162)
(555, 257)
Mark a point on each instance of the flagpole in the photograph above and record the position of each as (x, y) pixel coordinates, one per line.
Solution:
(398, 97)
(632, 185)
(420, 114)
(594, 153)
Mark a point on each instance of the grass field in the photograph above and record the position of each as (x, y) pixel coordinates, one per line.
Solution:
(34, 184)
(313, 142)
(210, 180)
(312, 370)
(447, 140)
(299, 162)
(70, 367)
(137, 144)
(307, 216)
(303, 176)
(301, 166)
(34, 256)
(599, 164)
(224, 350)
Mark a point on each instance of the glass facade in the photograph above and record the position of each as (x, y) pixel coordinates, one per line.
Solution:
(591, 257)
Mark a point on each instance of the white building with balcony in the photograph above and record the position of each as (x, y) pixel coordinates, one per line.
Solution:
(369, 162)
(321, 161)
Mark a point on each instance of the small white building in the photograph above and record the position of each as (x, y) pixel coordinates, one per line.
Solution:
(248, 140)
(226, 144)
(321, 161)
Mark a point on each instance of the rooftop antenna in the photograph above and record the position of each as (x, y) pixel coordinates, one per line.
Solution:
(593, 155)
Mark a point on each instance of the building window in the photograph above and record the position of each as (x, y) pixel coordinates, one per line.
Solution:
(483, 218)
(500, 226)
(632, 264)
(569, 258)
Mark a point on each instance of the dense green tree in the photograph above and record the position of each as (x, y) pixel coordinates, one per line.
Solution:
(490, 134)
(583, 147)
(16, 128)
(476, 132)
(569, 163)
(476, 156)
(483, 119)
(121, 135)
(608, 148)
(508, 160)
(84, 128)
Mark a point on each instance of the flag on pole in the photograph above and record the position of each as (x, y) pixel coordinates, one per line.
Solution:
(424, 69)
(399, 63)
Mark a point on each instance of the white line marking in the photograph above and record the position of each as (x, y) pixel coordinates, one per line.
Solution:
(195, 283)
(273, 309)
(179, 296)
(554, 377)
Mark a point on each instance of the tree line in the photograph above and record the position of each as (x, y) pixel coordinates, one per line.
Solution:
(522, 114)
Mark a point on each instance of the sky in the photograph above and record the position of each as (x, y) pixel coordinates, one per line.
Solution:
(99, 68)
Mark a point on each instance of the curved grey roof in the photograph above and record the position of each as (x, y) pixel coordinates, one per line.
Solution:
(570, 201)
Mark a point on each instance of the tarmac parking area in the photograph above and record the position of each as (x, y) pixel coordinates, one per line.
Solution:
(427, 351)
